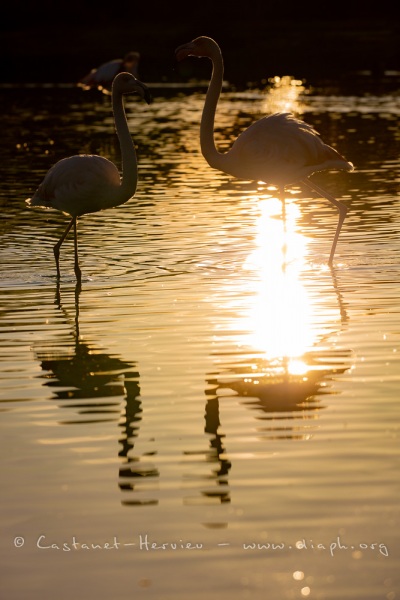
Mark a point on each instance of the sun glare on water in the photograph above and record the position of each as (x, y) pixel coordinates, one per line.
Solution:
(279, 316)
(284, 95)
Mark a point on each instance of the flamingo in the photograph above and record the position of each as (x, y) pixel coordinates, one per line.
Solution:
(277, 149)
(88, 183)
(104, 75)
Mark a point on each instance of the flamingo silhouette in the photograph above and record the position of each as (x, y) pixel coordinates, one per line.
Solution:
(88, 183)
(277, 149)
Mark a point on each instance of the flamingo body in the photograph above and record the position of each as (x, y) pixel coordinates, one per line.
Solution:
(85, 183)
(87, 179)
(278, 149)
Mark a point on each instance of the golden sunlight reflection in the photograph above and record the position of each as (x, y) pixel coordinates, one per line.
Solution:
(282, 353)
(279, 316)
(284, 95)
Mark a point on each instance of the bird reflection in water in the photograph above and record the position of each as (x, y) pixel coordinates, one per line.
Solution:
(219, 492)
(288, 401)
(287, 367)
(93, 383)
(278, 351)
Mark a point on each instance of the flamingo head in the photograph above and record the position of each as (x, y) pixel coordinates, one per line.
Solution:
(126, 83)
(200, 47)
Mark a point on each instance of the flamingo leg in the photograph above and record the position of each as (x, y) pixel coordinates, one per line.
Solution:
(339, 205)
(76, 267)
(57, 247)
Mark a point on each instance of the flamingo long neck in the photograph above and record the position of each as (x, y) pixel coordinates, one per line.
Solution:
(208, 148)
(128, 154)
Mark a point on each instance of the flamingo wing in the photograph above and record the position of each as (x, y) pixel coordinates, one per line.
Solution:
(78, 185)
(281, 149)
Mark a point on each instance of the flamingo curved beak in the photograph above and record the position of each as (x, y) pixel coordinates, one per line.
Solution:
(143, 91)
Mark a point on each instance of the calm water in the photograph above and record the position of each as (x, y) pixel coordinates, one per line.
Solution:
(216, 413)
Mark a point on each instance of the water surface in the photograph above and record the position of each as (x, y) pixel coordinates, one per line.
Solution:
(215, 414)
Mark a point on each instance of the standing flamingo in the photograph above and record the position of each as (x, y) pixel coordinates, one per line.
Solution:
(88, 183)
(278, 149)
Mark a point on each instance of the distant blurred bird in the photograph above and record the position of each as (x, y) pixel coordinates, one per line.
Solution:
(278, 149)
(104, 75)
(88, 183)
